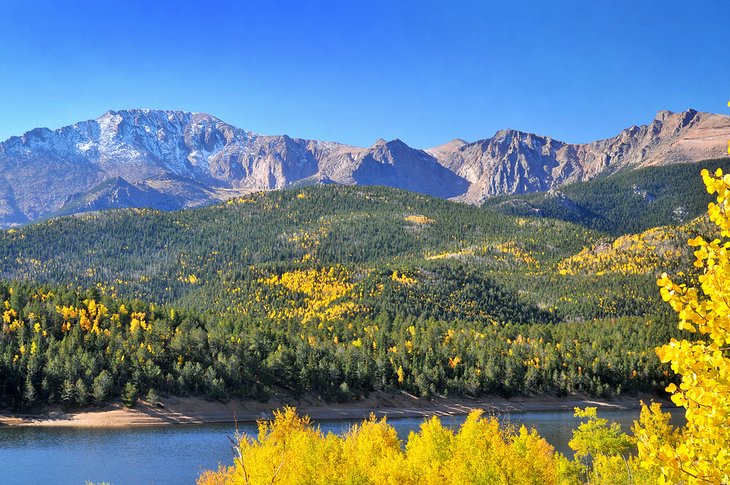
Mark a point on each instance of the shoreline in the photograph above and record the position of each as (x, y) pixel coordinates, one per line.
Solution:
(195, 410)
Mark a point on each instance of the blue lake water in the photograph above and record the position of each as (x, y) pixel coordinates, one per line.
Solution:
(178, 454)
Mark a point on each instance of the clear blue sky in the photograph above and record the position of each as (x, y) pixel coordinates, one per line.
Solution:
(422, 71)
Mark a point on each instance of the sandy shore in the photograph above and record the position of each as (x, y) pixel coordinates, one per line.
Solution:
(189, 410)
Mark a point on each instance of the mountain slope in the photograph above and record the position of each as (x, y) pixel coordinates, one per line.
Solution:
(626, 202)
(395, 164)
(223, 254)
(331, 290)
(513, 162)
(174, 159)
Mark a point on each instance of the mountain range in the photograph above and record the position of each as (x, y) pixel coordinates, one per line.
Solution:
(173, 159)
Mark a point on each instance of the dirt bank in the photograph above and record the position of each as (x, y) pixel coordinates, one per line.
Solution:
(189, 410)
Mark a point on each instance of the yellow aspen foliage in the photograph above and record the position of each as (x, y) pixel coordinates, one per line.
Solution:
(642, 253)
(409, 346)
(9, 314)
(372, 454)
(453, 362)
(84, 321)
(517, 253)
(419, 219)
(16, 325)
(401, 374)
(290, 450)
(137, 321)
(427, 452)
(322, 290)
(222, 476)
(403, 279)
(287, 450)
(68, 312)
(700, 453)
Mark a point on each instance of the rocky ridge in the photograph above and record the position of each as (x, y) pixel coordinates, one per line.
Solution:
(172, 159)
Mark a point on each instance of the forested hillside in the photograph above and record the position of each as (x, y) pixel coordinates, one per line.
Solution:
(227, 255)
(626, 202)
(483, 451)
(332, 291)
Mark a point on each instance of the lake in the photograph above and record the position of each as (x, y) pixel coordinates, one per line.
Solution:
(177, 454)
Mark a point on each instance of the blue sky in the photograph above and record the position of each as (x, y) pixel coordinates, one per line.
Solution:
(422, 71)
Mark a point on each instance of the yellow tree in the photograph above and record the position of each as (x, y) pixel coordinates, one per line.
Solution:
(700, 451)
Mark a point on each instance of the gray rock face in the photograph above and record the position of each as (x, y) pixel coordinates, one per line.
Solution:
(513, 162)
(395, 164)
(172, 159)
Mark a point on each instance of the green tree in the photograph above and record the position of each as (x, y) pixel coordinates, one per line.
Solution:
(102, 387)
(129, 395)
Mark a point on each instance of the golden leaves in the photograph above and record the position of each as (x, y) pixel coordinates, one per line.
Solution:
(290, 449)
(419, 219)
(322, 289)
(631, 254)
(698, 452)
(403, 279)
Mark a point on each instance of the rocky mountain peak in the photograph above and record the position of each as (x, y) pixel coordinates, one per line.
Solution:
(174, 159)
(663, 115)
(447, 148)
(682, 117)
(395, 145)
(508, 133)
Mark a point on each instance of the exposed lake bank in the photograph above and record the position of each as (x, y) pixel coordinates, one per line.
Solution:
(195, 410)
